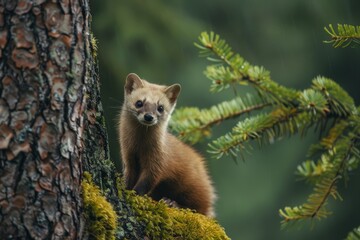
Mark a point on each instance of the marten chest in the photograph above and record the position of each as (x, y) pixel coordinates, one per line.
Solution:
(146, 161)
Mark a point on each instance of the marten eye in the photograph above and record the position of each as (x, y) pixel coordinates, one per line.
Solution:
(139, 104)
(160, 108)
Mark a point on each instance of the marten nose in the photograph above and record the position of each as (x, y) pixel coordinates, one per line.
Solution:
(148, 117)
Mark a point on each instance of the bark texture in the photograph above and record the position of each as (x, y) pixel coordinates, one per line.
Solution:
(44, 68)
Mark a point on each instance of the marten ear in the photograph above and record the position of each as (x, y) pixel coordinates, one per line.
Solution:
(173, 92)
(133, 82)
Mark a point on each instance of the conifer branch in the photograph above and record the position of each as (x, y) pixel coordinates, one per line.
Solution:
(288, 112)
(236, 70)
(264, 127)
(199, 125)
(328, 142)
(315, 205)
(354, 234)
(338, 99)
(338, 159)
(311, 171)
(346, 35)
(312, 108)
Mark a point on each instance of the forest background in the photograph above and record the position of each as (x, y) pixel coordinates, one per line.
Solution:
(155, 40)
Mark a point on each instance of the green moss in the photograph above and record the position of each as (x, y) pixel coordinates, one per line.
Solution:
(146, 218)
(163, 222)
(94, 46)
(99, 213)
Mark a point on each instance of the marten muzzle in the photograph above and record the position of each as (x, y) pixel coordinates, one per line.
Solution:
(148, 118)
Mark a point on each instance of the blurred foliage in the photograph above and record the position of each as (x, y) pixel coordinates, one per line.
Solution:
(354, 235)
(155, 39)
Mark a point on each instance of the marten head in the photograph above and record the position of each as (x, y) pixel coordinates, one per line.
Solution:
(151, 104)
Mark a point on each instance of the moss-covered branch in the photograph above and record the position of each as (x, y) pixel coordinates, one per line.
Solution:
(140, 216)
(163, 222)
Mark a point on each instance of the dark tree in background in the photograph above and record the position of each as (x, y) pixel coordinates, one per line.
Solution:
(49, 116)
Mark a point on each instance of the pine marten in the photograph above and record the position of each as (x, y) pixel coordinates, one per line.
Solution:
(155, 162)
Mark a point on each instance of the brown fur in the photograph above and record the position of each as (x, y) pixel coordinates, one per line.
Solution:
(155, 162)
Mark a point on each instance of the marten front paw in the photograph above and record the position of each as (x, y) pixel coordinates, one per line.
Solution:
(170, 203)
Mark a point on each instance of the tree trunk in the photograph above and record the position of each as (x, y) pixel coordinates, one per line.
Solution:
(48, 104)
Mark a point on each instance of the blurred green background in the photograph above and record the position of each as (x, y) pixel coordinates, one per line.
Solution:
(155, 40)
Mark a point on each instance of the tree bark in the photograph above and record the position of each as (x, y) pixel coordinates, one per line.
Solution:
(46, 106)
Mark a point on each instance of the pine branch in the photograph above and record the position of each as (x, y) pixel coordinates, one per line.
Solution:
(313, 100)
(354, 234)
(249, 129)
(315, 205)
(199, 125)
(312, 108)
(313, 172)
(338, 159)
(265, 128)
(340, 103)
(238, 71)
(328, 142)
(346, 35)
(289, 112)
